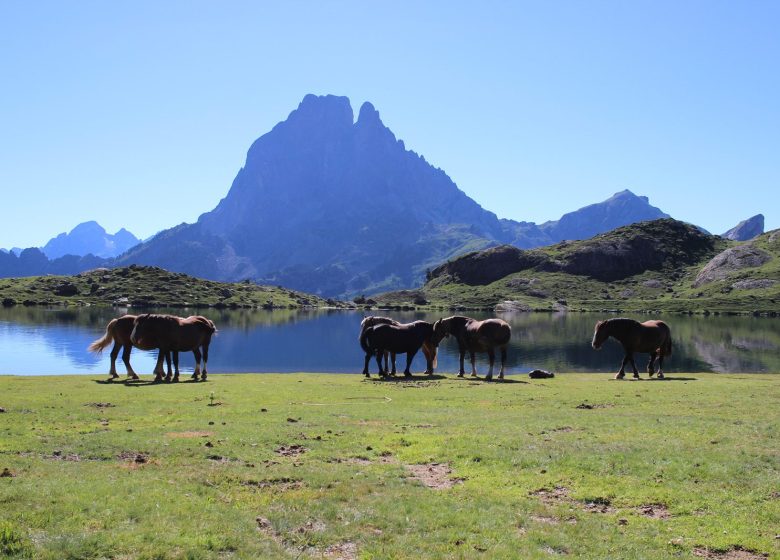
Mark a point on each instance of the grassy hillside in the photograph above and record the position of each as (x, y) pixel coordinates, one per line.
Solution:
(313, 466)
(652, 266)
(148, 286)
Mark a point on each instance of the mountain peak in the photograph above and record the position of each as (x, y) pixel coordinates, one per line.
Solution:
(324, 110)
(368, 115)
(746, 229)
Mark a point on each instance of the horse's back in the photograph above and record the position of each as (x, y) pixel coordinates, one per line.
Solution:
(490, 332)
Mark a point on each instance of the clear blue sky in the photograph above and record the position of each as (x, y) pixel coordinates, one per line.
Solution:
(139, 114)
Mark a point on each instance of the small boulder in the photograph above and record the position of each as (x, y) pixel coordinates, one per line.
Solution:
(540, 374)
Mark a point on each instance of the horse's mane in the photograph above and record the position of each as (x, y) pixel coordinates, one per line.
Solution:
(371, 320)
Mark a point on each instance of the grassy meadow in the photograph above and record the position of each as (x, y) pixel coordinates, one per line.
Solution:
(332, 466)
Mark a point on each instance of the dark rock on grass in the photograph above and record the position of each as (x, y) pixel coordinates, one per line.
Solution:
(540, 374)
(6, 473)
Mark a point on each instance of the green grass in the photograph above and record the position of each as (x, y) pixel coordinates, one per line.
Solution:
(149, 286)
(705, 446)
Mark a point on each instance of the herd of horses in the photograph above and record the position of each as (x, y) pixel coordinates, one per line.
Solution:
(168, 333)
(381, 338)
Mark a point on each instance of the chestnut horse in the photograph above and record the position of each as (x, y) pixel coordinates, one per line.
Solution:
(175, 334)
(475, 336)
(371, 321)
(653, 337)
(400, 338)
(118, 331)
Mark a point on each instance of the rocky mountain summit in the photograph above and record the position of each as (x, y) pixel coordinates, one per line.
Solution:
(90, 238)
(746, 229)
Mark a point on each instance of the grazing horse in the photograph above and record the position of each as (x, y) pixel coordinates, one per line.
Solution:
(475, 336)
(175, 334)
(373, 321)
(118, 330)
(653, 337)
(402, 338)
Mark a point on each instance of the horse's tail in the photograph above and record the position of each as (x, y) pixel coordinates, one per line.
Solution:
(364, 344)
(105, 340)
(666, 347)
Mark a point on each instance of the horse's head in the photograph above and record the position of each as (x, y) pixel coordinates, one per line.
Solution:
(140, 330)
(441, 330)
(600, 334)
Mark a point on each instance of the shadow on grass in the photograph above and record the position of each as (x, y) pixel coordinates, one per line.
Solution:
(506, 380)
(137, 383)
(404, 379)
(665, 378)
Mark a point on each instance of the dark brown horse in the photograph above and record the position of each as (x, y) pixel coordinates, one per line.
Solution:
(653, 337)
(371, 321)
(402, 338)
(118, 331)
(175, 334)
(475, 336)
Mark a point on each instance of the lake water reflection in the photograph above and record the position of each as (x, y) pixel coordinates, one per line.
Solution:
(35, 341)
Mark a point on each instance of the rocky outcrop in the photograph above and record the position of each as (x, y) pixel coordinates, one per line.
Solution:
(658, 245)
(731, 260)
(746, 229)
(484, 267)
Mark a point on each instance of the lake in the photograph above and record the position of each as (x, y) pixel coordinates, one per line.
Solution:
(38, 341)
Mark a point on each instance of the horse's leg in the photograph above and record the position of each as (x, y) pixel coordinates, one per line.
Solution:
(492, 358)
(126, 349)
(365, 364)
(650, 368)
(169, 375)
(158, 368)
(392, 357)
(473, 356)
(382, 372)
(114, 353)
(633, 365)
(176, 366)
(462, 371)
(660, 365)
(196, 373)
(409, 358)
(205, 361)
(503, 361)
(622, 373)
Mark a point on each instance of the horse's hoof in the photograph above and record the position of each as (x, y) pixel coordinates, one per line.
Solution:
(619, 376)
(661, 376)
(488, 378)
(461, 374)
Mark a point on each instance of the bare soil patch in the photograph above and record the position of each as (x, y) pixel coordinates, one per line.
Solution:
(341, 551)
(654, 511)
(292, 450)
(736, 553)
(557, 495)
(434, 475)
(599, 505)
(100, 404)
(283, 483)
(134, 456)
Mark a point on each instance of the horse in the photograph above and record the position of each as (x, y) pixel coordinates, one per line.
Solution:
(653, 337)
(175, 334)
(118, 330)
(371, 321)
(402, 338)
(475, 336)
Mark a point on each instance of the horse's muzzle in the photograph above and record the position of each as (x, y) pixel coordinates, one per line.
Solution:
(596, 346)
